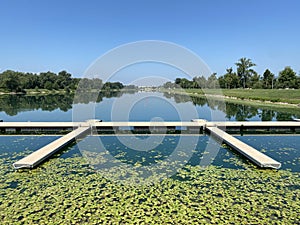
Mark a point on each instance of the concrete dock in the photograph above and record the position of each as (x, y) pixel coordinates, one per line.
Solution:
(250, 153)
(45, 152)
(194, 124)
(197, 125)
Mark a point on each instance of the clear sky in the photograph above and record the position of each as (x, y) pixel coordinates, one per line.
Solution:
(42, 35)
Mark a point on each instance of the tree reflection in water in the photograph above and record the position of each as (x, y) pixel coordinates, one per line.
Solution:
(14, 104)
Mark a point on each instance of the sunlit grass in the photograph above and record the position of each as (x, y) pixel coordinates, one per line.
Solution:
(275, 95)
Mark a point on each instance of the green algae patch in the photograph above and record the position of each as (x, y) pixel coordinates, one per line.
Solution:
(68, 191)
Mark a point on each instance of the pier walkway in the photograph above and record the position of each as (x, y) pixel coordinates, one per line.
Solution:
(6, 127)
(45, 152)
(250, 153)
(197, 125)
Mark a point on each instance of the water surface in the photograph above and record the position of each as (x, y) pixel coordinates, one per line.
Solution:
(145, 106)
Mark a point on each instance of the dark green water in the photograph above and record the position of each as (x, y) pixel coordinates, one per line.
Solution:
(67, 190)
(284, 149)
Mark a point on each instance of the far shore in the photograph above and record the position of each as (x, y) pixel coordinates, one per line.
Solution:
(38, 92)
(224, 95)
(61, 91)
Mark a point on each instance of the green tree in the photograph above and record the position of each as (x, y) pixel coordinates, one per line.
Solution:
(116, 85)
(287, 78)
(74, 83)
(178, 81)
(229, 80)
(200, 82)
(168, 85)
(222, 82)
(10, 80)
(255, 81)
(97, 83)
(29, 81)
(212, 81)
(185, 83)
(48, 76)
(112, 86)
(244, 70)
(48, 85)
(63, 79)
(268, 79)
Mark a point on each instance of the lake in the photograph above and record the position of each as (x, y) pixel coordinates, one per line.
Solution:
(147, 105)
(196, 185)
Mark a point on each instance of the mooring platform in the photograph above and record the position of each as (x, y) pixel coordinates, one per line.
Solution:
(81, 128)
(17, 127)
(45, 152)
(249, 152)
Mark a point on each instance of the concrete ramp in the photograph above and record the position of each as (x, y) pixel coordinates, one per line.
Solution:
(43, 153)
(250, 153)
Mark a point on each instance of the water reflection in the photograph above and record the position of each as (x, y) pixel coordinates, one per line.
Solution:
(14, 104)
(14, 107)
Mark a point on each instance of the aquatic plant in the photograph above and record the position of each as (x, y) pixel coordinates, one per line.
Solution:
(66, 190)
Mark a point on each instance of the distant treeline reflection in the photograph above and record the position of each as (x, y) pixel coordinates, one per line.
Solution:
(14, 104)
(238, 112)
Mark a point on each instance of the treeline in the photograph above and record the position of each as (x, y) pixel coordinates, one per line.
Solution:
(244, 77)
(18, 81)
(96, 83)
(14, 81)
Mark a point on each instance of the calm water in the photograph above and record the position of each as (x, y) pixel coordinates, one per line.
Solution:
(138, 107)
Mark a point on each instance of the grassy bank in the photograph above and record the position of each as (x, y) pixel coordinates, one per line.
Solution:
(278, 97)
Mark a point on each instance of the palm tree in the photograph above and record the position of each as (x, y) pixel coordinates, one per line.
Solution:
(244, 70)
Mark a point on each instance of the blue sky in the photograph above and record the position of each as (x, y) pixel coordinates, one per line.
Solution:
(54, 35)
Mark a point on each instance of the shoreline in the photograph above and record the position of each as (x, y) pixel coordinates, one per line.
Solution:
(237, 100)
(254, 101)
(62, 91)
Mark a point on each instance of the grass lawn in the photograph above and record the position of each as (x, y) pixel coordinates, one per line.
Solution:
(276, 95)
